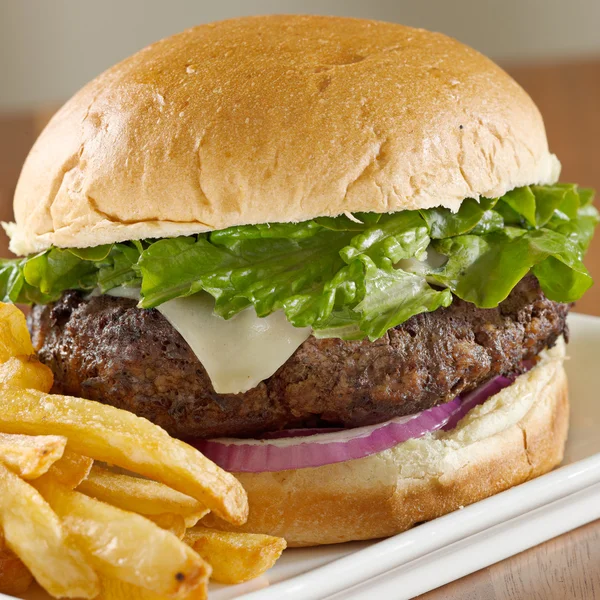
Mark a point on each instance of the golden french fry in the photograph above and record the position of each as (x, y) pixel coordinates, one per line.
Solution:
(30, 456)
(35, 534)
(113, 589)
(141, 496)
(235, 557)
(193, 520)
(119, 437)
(14, 337)
(171, 522)
(71, 469)
(15, 577)
(125, 546)
(26, 372)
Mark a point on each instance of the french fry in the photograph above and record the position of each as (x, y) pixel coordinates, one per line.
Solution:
(26, 372)
(171, 522)
(14, 337)
(81, 543)
(30, 456)
(193, 520)
(235, 557)
(141, 496)
(35, 534)
(15, 577)
(71, 469)
(113, 589)
(119, 437)
(125, 546)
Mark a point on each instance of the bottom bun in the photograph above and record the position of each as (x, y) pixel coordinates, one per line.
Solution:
(514, 436)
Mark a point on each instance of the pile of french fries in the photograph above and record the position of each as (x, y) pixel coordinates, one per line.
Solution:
(98, 503)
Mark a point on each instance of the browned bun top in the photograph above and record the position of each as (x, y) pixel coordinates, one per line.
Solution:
(277, 118)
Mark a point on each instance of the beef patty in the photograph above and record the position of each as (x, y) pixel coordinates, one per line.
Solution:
(104, 348)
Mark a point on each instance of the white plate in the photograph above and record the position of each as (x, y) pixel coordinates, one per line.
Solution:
(469, 539)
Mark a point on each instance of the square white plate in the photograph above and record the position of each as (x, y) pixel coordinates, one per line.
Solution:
(435, 553)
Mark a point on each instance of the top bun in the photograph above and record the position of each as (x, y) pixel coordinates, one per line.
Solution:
(278, 118)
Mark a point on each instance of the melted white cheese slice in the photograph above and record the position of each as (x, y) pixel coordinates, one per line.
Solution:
(237, 353)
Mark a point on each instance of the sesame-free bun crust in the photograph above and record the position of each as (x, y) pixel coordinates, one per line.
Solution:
(280, 118)
(514, 436)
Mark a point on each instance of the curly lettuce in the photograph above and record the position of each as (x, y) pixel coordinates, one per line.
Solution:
(351, 276)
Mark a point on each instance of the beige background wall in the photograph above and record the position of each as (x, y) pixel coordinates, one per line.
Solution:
(49, 48)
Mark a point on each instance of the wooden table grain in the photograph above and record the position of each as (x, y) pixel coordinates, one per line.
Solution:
(565, 568)
(568, 95)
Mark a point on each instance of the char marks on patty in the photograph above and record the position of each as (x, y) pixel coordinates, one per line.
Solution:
(105, 348)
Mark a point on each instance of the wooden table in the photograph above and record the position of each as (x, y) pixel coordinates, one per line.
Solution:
(568, 567)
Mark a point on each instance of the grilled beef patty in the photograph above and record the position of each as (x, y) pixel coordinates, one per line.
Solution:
(105, 348)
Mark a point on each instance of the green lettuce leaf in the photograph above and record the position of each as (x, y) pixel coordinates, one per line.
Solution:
(522, 202)
(12, 280)
(443, 223)
(351, 276)
(392, 296)
(119, 267)
(54, 271)
(484, 269)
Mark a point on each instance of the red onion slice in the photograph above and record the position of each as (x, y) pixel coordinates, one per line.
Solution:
(476, 397)
(286, 433)
(300, 449)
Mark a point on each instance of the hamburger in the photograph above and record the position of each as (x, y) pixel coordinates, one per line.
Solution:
(334, 254)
